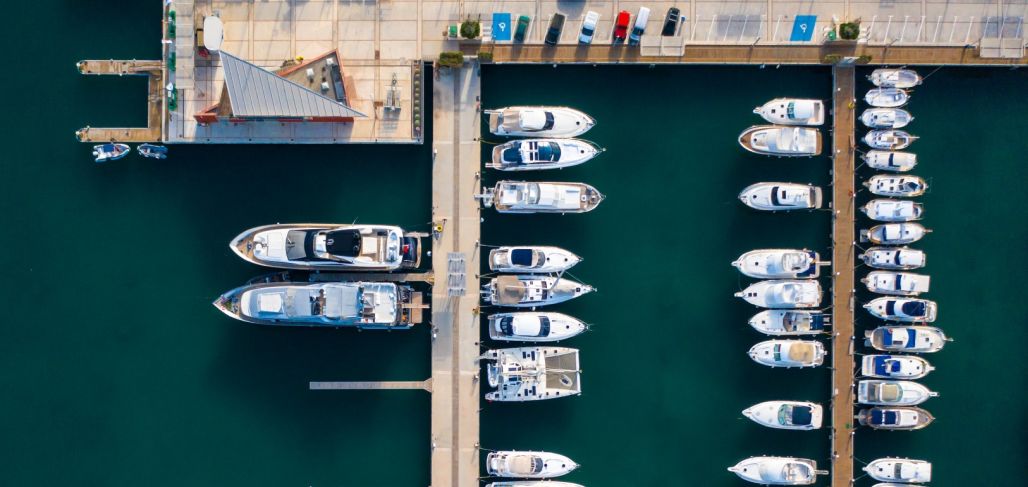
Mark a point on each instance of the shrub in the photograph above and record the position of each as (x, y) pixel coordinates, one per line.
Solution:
(485, 56)
(832, 58)
(864, 59)
(849, 31)
(470, 29)
(451, 59)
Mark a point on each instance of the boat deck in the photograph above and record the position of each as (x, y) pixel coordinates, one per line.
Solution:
(154, 102)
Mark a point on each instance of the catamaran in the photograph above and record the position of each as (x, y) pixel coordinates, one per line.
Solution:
(900, 186)
(793, 111)
(784, 322)
(777, 470)
(531, 259)
(890, 160)
(897, 283)
(541, 197)
(532, 373)
(788, 353)
(777, 140)
(527, 291)
(789, 415)
(783, 294)
(781, 196)
(527, 326)
(904, 367)
(528, 464)
(537, 154)
(891, 210)
(538, 121)
(895, 78)
(910, 339)
(886, 118)
(878, 392)
(335, 247)
(779, 264)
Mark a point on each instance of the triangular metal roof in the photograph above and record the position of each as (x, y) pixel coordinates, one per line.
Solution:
(256, 92)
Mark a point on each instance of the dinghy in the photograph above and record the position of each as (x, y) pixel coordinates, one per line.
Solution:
(777, 470)
(897, 418)
(777, 140)
(779, 264)
(109, 152)
(900, 470)
(887, 97)
(900, 186)
(788, 353)
(890, 210)
(783, 294)
(782, 322)
(536, 154)
(886, 118)
(889, 139)
(909, 310)
(152, 151)
(533, 326)
(894, 258)
(531, 259)
(910, 339)
(895, 78)
(878, 392)
(792, 111)
(781, 196)
(896, 233)
(897, 283)
(538, 121)
(526, 291)
(541, 197)
(903, 367)
(532, 373)
(890, 160)
(789, 415)
(528, 464)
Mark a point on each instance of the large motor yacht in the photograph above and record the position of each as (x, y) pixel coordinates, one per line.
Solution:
(531, 259)
(530, 326)
(538, 121)
(537, 154)
(313, 246)
(782, 141)
(533, 373)
(541, 197)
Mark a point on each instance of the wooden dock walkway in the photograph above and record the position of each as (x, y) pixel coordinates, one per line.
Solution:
(843, 260)
(373, 276)
(154, 106)
(425, 385)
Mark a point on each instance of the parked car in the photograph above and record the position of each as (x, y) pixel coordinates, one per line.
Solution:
(588, 27)
(671, 22)
(556, 26)
(640, 26)
(621, 26)
(522, 28)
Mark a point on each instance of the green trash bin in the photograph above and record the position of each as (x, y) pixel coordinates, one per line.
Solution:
(831, 35)
(452, 32)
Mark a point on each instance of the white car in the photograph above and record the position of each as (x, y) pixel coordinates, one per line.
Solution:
(588, 27)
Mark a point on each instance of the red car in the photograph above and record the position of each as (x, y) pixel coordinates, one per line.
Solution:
(621, 26)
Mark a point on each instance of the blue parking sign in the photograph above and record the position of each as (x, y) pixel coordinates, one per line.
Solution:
(803, 28)
(501, 27)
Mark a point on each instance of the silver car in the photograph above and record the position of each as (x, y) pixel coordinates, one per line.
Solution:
(588, 27)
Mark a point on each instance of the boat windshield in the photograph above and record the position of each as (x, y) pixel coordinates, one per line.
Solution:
(774, 196)
(777, 349)
(522, 257)
(512, 153)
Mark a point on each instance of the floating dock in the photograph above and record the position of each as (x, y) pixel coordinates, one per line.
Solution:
(154, 100)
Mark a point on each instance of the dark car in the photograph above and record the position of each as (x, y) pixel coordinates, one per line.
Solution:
(553, 33)
(671, 22)
(621, 26)
(522, 28)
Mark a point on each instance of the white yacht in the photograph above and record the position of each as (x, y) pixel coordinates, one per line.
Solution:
(895, 78)
(528, 464)
(897, 283)
(896, 233)
(530, 326)
(532, 373)
(886, 118)
(778, 470)
(903, 367)
(541, 197)
(332, 247)
(892, 140)
(788, 353)
(527, 291)
(910, 339)
(532, 483)
(793, 111)
(910, 310)
(895, 418)
(531, 259)
(890, 160)
(788, 415)
(368, 305)
(876, 392)
(557, 122)
(783, 294)
(887, 97)
(785, 322)
(894, 258)
(890, 210)
(901, 470)
(899, 186)
(781, 196)
(779, 264)
(777, 140)
(536, 154)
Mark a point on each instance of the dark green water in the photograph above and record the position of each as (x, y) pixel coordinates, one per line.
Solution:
(115, 370)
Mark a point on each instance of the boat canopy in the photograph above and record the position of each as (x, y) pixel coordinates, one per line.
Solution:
(523, 257)
(795, 415)
(886, 365)
(801, 352)
(803, 109)
(528, 120)
(905, 337)
(525, 465)
(527, 326)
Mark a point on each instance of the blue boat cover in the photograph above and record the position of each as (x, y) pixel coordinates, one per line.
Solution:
(890, 307)
(513, 154)
(882, 365)
(801, 415)
(522, 257)
(914, 308)
(817, 321)
(911, 338)
(879, 417)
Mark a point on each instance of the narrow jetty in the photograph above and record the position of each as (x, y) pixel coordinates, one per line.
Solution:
(425, 385)
(154, 104)
(843, 230)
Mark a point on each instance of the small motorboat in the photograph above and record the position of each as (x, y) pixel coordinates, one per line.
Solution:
(896, 233)
(532, 483)
(777, 470)
(781, 196)
(895, 418)
(110, 152)
(895, 78)
(532, 373)
(533, 326)
(909, 310)
(783, 322)
(538, 121)
(878, 392)
(890, 160)
(541, 197)
(889, 139)
(887, 97)
(779, 264)
(152, 151)
(533, 154)
(777, 140)
(894, 258)
(899, 186)
(890, 210)
(783, 294)
(788, 415)
(792, 111)
(788, 353)
(886, 118)
(528, 464)
(526, 291)
(910, 339)
(901, 470)
(330, 247)
(897, 283)
(901, 367)
(531, 259)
